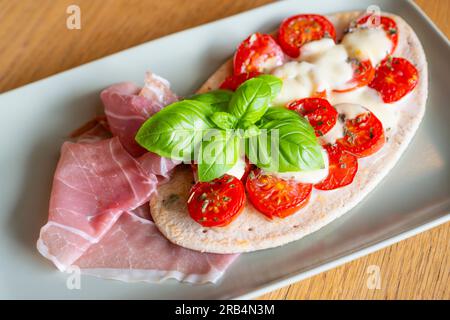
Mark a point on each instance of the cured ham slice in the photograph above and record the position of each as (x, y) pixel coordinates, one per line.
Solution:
(99, 217)
(127, 106)
(143, 211)
(134, 250)
(94, 130)
(160, 166)
(93, 184)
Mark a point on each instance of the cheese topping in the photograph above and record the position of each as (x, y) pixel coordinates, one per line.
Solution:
(334, 134)
(323, 66)
(350, 110)
(238, 169)
(367, 44)
(313, 49)
(370, 99)
(297, 81)
(345, 111)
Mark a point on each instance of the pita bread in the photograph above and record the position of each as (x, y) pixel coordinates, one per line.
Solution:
(252, 230)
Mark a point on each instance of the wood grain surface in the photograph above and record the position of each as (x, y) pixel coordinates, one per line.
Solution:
(35, 43)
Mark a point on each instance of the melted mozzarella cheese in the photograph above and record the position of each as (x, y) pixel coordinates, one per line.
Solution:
(334, 134)
(323, 66)
(350, 110)
(313, 49)
(313, 176)
(297, 81)
(345, 111)
(238, 169)
(367, 44)
(332, 68)
(270, 64)
(370, 99)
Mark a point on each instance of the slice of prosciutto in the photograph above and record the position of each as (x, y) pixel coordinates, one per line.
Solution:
(99, 217)
(94, 130)
(134, 250)
(127, 106)
(93, 184)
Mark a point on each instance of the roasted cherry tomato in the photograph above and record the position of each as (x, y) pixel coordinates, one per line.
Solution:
(363, 135)
(389, 26)
(276, 197)
(259, 52)
(394, 78)
(342, 168)
(319, 112)
(218, 202)
(235, 80)
(363, 74)
(300, 29)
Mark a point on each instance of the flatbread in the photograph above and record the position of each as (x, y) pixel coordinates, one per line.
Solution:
(252, 230)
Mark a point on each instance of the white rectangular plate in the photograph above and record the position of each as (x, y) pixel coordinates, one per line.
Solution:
(36, 119)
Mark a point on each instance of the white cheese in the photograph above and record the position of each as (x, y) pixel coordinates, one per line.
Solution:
(313, 49)
(370, 99)
(313, 176)
(350, 110)
(367, 43)
(271, 64)
(238, 169)
(332, 69)
(323, 66)
(334, 134)
(297, 81)
(345, 111)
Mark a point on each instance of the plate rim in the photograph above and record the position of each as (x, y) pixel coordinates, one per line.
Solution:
(295, 276)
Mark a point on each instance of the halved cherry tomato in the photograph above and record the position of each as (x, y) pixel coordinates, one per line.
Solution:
(342, 168)
(218, 202)
(319, 112)
(257, 53)
(363, 74)
(276, 197)
(300, 29)
(363, 135)
(235, 80)
(394, 78)
(389, 26)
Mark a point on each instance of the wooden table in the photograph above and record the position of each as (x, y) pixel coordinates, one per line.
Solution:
(35, 43)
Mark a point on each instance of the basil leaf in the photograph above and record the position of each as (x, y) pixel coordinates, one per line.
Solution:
(251, 131)
(287, 142)
(218, 99)
(219, 152)
(224, 120)
(176, 131)
(275, 84)
(250, 102)
(280, 113)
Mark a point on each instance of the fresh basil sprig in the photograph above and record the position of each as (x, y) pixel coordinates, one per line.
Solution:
(219, 152)
(296, 146)
(250, 102)
(174, 131)
(275, 84)
(218, 99)
(224, 120)
(211, 128)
